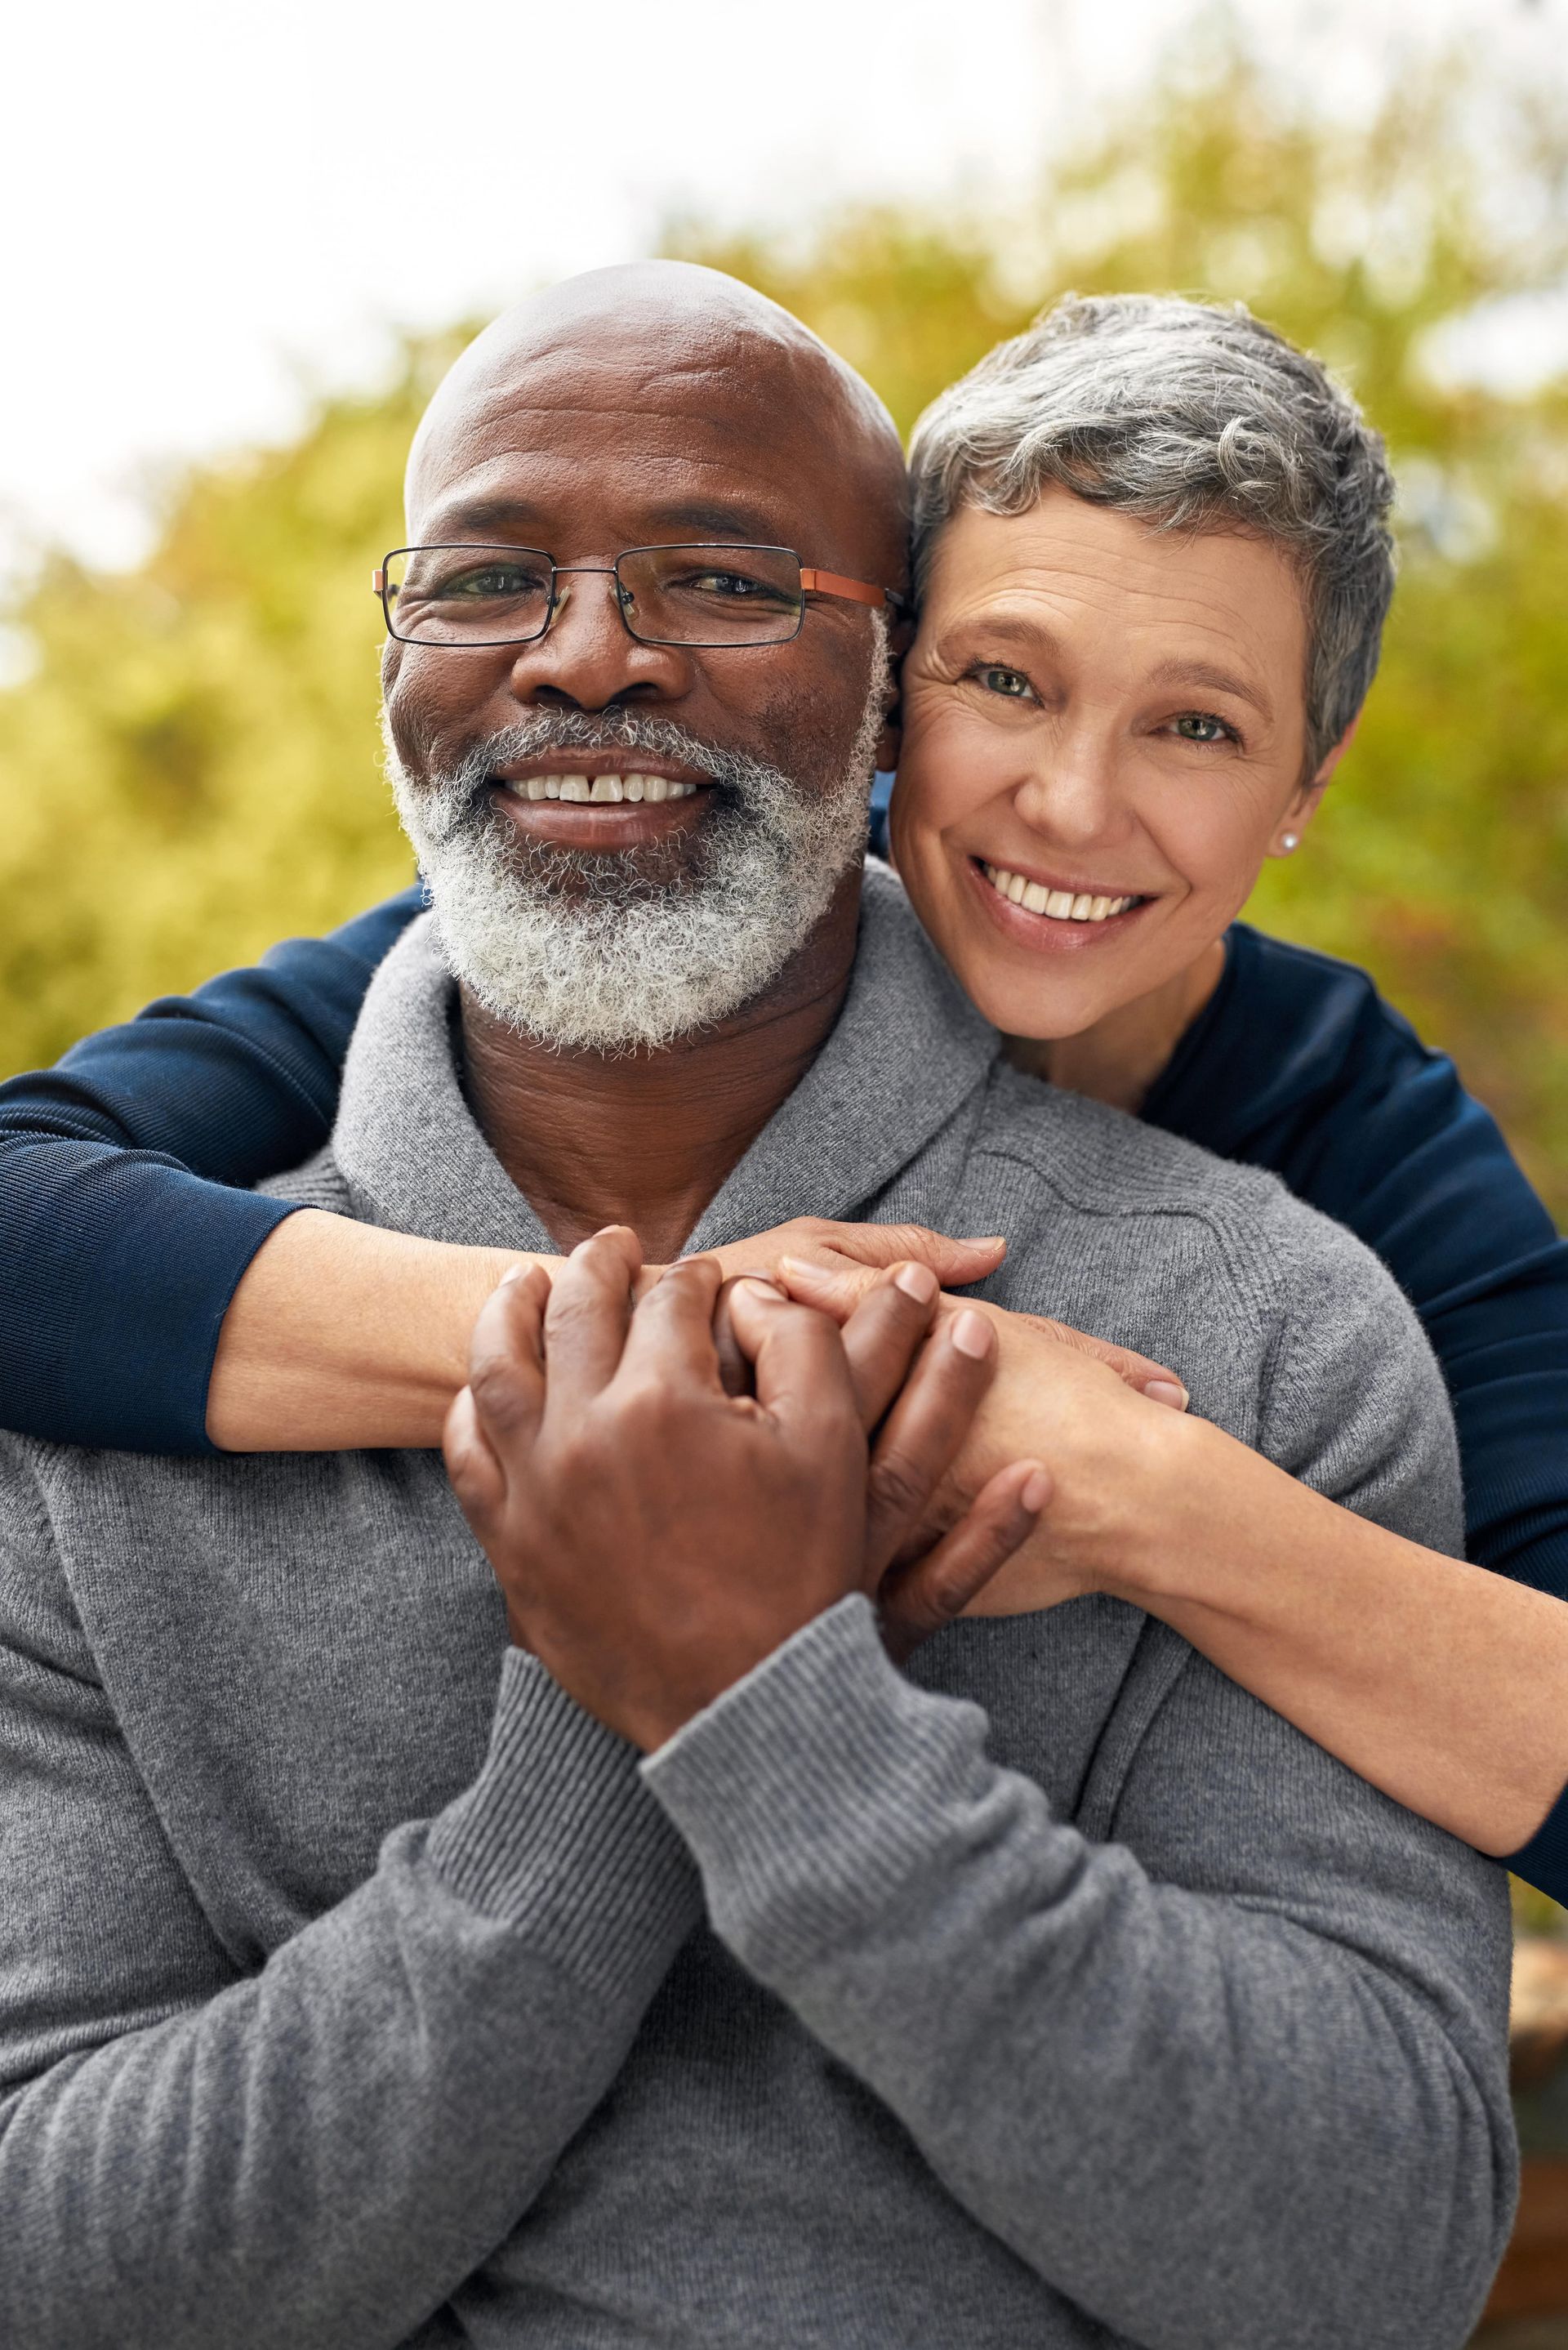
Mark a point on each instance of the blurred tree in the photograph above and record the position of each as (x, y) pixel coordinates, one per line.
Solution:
(191, 768)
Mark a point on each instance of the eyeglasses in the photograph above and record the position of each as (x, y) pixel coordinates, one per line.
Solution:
(700, 595)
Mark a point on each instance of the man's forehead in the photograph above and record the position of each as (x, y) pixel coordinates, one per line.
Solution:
(722, 413)
(658, 378)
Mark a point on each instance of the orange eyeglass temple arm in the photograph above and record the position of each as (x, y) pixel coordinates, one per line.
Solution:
(856, 591)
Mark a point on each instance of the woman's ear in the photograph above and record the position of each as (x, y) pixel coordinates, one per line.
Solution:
(1305, 805)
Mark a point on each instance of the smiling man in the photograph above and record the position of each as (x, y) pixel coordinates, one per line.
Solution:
(692, 1973)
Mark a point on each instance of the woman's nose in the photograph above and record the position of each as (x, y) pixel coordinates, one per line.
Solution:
(1071, 792)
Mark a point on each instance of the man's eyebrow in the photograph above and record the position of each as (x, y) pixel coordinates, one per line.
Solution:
(509, 516)
(691, 519)
(723, 518)
(1206, 678)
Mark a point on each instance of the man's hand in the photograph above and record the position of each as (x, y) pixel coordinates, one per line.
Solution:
(657, 1537)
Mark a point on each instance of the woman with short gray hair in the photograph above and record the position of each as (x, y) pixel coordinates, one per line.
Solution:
(1152, 546)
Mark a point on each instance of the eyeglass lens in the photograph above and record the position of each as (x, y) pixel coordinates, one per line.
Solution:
(698, 594)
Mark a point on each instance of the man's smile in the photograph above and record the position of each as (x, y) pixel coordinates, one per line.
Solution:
(581, 800)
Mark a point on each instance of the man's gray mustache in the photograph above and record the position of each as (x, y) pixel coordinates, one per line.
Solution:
(459, 795)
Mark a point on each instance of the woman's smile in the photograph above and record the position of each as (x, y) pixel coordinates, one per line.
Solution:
(1049, 915)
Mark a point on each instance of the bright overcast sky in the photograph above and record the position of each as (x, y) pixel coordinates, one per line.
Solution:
(211, 204)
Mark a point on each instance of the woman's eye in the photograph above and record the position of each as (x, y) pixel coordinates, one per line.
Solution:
(1198, 726)
(1011, 683)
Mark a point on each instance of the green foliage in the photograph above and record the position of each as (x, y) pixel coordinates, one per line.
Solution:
(192, 767)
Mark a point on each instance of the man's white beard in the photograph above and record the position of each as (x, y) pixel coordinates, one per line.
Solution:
(600, 951)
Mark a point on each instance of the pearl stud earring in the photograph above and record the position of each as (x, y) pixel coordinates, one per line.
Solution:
(1288, 841)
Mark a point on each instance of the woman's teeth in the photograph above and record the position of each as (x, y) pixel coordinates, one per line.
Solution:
(1058, 905)
(603, 789)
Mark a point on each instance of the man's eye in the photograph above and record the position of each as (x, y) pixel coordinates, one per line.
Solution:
(494, 579)
(1199, 726)
(732, 584)
(1011, 683)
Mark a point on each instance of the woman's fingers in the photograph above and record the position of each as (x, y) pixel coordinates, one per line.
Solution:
(1134, 1370)
(919, 1599)
(921, 1435)
(955, 1262)
(837, 1289)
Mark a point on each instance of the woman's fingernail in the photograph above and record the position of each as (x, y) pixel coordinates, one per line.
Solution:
(1036, 1493)
(972, 1336)
(759, 1284)
(1167, 1391)
(915, 1281)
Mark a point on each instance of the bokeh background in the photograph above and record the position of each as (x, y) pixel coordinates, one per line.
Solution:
(242, 245)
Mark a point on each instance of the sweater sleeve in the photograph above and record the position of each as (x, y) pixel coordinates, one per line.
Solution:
(126, 1220)
(1223, 2058)
(324, 2148)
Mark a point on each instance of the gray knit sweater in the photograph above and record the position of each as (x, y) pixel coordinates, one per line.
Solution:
(356, 1988)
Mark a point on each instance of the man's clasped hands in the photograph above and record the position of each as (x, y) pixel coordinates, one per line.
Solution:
(672, 1479)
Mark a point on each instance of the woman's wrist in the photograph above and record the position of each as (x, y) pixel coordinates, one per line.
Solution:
(1151, 1540)
(342, 1334)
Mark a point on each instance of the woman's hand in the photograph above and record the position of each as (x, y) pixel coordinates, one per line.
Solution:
(1078, 1405)
(865, 1248)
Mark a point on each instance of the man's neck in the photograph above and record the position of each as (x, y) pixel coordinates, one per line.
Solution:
(647, 1138)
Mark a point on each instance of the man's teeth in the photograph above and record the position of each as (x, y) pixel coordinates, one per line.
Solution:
(1059, 905)
(604, 788)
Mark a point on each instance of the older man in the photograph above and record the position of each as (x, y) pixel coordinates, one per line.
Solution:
(359, 1984)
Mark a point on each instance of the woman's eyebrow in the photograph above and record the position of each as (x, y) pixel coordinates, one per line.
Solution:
(1213, 681)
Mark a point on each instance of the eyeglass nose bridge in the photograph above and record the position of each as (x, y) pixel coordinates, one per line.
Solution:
(597, 571)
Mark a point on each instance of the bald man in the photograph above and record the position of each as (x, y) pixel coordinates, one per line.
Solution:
(365, 1982)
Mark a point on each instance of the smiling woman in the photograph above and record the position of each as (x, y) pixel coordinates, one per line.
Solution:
(1142, 529)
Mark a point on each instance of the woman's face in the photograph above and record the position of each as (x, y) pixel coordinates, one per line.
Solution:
(1105, 728)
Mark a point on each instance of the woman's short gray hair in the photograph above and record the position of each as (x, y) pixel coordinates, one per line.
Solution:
(1196, 417)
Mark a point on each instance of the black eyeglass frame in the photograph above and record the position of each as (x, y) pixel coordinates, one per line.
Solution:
(813, 582)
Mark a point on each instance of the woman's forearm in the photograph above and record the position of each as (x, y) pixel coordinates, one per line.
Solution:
(342, 1334)
(1443, 1684)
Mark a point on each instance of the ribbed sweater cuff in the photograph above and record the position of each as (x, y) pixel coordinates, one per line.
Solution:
(815, 1793)
(559, 1838)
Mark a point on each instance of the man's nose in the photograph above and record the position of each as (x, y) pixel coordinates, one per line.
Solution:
(588, 658)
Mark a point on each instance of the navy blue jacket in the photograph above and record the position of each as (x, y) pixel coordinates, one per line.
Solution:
(125, 1224)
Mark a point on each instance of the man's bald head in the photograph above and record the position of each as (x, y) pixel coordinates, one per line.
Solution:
(695, 362)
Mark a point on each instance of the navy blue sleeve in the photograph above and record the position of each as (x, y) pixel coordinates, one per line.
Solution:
(125, 1219)
(1300, 1066)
